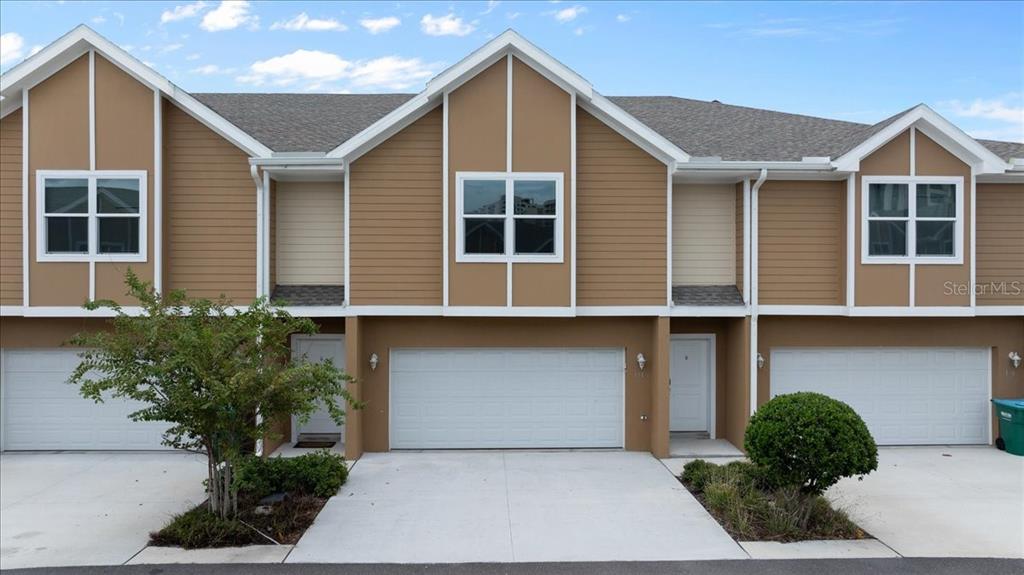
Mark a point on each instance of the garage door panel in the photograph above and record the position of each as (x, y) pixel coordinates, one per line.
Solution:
(521, 397)
(43, 412)
(906, 396)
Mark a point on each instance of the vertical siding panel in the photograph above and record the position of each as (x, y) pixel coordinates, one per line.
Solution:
(740, 237)
(311, 236)
(395, 200)
(10, 209)
(703, 234)
(620, 219)
(210, 212)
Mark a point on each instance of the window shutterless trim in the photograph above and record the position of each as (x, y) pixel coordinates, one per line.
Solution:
(911, 219)
(509, 218)
(93, 255)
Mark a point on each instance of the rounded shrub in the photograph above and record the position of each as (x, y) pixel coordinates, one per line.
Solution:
(809, 440)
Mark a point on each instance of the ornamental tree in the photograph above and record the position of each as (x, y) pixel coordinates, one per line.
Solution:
(220, 376)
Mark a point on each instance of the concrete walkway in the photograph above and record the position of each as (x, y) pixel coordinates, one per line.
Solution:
(90, 508)
(456, 507)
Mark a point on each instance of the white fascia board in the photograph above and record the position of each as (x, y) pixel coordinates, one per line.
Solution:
(709, 311)
(934, 126)
(73, 44)
(730, 165)
(634, 130)
(999, 310)
(11, 103)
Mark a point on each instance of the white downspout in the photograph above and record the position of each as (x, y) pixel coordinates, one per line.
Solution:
(754, 246)
(254, 171)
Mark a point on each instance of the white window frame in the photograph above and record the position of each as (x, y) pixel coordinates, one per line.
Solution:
(911, 219)
(93, 254)
(509, 256)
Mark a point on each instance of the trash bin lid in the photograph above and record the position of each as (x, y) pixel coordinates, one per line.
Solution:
(1011, 403)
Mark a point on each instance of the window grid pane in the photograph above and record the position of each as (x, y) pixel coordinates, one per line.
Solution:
(887, 238)
(67, 235)
(66, 196)
(535, 236)
(888, 200)
(484, 236)
(118, 235)
(935, 238)
(117, 196)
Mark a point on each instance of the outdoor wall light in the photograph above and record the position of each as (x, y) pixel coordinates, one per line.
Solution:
(760, 361)
(1015, 359)
(641, 361)
(374, 360)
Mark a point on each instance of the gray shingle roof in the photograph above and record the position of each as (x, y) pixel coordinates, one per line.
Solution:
(309, 295)
(706, 295)
(321, 122)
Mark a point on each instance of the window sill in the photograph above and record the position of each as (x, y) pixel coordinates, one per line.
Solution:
(86, 258)
(906, 260)
(518, 259)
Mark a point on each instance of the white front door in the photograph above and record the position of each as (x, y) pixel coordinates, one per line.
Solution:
(317, 348)
(905, 395)
(506, 398)
(690, 384)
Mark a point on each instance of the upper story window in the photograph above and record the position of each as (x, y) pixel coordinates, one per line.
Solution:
(913, 219)
(91, 216)
(509, 217)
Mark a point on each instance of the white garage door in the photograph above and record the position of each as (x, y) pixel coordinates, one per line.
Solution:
(506, 398)
(907, 396)
(42, 411)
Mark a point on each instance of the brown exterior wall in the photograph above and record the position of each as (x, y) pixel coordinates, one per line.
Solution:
(1000, 249)
(876, 284)
(477, 127)
(395, 202)
(381, 335)
(888, 284)
(932, 281)
(802, 243)
(542, 142)
(58, 140)
(124, 141)
(621, 219)
(1002, 334)
(42, 333)
(10, 209)
(209, 212)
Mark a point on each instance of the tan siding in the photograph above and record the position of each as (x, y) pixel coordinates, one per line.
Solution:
(210, 212)
(58, 140)
(801, 242)
(396, 232)
(932, 281)
(881, 284)
(124, 141)
(703, 234)
(740, 238)
(310, 233)
(541, 142)
(477, 128)
(1000, 249)
(10, 209)
(621, 219)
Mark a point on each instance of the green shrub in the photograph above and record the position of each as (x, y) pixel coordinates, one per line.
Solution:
(320, 473)
(698, 473)
(809, 440)
(202, 528)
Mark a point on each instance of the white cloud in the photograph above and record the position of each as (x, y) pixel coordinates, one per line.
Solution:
(211, 70)
(120, 18)
(35, 49)
(11, 46)
(569, 14)
(379, 25)
(491, 5)
(303, 22)
(182, 12)
(314, 69)
(230, 14)
(623, 18)
(192, 57)
(98, 20)
(578, 31)
(171, 48)
(1006, 112)
(447, 25)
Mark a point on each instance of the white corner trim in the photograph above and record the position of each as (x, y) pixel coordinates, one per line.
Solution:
(265, 192)
(24, 201)
(851, 246)
(753, 363)
(833, 310)
(974, 236)
(509, 233)
(999, 310)
(445, 216)
(92, 110)
(92, 280)
(258, 180)
(158, 201)
(709, 311)
(913, 151)
(623, 311)
(347, 222)
(572, 201)
(942, 130)
(668, 236)
(746, 241)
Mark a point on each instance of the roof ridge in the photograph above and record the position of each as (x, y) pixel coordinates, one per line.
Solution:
(720, 103)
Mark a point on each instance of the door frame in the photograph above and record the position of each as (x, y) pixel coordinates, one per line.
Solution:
(712, 376)
(293, 432)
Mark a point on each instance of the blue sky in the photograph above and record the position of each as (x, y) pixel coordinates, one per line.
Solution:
(850, 60)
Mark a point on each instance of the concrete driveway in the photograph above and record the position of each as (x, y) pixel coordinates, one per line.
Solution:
(90, 508)
(453, 507)
(941, 501)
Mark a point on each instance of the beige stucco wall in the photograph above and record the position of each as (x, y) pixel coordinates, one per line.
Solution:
(704, 234)
(310, 233)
